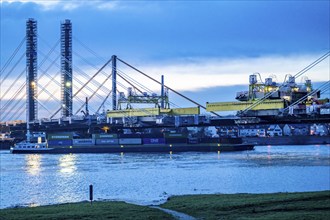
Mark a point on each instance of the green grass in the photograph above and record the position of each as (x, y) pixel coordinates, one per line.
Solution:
(85, 211)
(311, 205)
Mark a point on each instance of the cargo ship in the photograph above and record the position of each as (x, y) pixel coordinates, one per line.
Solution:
(63, 143)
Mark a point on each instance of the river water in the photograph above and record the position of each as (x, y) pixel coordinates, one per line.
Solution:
(32, 180)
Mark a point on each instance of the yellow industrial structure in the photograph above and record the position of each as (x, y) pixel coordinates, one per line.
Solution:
(239, 106)
(267, 95)
(152, 112)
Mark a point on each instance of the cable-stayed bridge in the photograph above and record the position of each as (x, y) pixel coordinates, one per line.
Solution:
(45, 87)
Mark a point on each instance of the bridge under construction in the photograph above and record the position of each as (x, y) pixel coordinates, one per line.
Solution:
(140, 108)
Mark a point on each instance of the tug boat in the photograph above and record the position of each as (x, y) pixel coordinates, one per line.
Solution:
(28, 147)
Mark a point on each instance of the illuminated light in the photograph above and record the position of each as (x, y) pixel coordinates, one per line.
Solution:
(68, 84)
(67, 164)
(70, 146)
(121, 146)
(170, 145)
(218, 152)
(33, 84)
(171, 152)
(295, 89)
(218, 145)
(33, 164)
(105, 129)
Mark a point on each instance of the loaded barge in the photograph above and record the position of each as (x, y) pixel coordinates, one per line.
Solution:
(135, 143)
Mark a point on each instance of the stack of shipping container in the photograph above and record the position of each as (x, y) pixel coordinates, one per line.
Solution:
(63, 139)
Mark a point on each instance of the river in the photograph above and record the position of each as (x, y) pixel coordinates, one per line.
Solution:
(32, 180)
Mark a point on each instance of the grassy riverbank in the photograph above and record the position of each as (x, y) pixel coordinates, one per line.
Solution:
(85, 211)
(312, 205)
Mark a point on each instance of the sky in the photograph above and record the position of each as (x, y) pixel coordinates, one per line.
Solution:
(204, 48)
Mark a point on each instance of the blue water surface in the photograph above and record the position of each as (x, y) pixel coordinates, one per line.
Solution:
(32, 180)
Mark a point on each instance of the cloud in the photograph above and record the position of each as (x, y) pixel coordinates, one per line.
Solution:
(68, 5)
(196, 74)
(108, 5)
(49, 4)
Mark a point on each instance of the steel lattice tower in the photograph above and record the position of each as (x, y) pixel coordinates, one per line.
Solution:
(66, 68)
(31, 70)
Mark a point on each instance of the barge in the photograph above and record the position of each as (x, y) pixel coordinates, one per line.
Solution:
(172, 148)
(114, 143)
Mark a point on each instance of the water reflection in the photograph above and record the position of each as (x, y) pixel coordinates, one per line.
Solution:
(269, 151)
(33, 164)
(143, 178)
(67, 164)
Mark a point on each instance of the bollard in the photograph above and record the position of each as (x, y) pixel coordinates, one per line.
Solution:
(91, 193)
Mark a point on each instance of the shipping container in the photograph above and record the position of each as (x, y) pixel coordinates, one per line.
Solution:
(231, 140)
(106, 141)
(176, 140)
(325, 111)
(175, 135)
(209, 140)
(153, 135)
(130, 141)
(130, 135)
(193, 140)
(104, 136)
(58, 143)
(60, 136)
(153, 140)
(83, 142)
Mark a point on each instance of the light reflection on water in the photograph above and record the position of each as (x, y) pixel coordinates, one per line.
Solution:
(33, 163)
(150, 178)
(67, 164)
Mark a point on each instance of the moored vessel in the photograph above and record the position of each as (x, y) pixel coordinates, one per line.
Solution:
(133, 145)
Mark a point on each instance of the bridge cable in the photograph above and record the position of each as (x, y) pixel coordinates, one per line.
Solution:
(13, 100)
(90, 97)
(3, 69)
(85, 84)
(326, 84)
(183, 96)
(73, 77)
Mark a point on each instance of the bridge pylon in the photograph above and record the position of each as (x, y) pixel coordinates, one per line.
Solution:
(31, 70)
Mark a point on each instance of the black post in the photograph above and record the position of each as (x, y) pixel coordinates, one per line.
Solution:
(91, 193)
(114, 82)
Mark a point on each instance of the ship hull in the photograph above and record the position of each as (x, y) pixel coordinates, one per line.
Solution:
(288, 140)
(6, 144)
(137, 149)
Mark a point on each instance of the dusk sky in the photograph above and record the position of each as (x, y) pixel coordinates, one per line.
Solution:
(197, 45)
